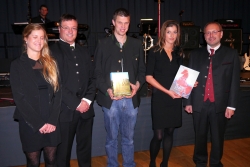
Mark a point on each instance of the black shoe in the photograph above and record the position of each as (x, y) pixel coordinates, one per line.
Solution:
(161, 165)
(152, 164)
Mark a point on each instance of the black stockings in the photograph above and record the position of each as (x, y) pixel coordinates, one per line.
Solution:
(49, 153)
(155, 145)
(33, 159)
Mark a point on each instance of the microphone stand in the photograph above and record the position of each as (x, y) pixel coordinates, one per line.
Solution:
(159, 18)
(180, 14)
(29, 12)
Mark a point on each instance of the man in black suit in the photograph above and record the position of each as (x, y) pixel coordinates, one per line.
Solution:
(214, 100)
(41, 18)
(78, 89)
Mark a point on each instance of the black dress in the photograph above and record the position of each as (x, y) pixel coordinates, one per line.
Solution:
(35, 141)
(166, 112)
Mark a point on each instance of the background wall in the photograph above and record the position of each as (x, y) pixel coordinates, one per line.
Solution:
(98, 14)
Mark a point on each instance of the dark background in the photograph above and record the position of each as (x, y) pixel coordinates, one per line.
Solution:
(98, 14)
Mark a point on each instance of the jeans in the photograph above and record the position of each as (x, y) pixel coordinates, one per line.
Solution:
(122, 114)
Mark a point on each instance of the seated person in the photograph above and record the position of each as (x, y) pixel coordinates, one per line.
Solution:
(41, 18)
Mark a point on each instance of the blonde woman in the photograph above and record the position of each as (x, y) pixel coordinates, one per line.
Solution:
(35, 87)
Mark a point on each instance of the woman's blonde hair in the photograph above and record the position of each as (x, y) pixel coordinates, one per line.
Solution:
(50, 70)
(165, 25)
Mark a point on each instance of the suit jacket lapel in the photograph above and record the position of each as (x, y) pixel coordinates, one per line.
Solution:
(205, 60)
(65, 50)
(218, 58)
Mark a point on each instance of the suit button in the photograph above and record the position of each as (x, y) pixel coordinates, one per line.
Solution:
(205, 76)
(119, 61)
(203, 86)
(202, 94)
(77, 72)
(117, 70)
(76, 64)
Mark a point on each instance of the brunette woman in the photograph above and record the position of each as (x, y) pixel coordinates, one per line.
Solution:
(163, 63)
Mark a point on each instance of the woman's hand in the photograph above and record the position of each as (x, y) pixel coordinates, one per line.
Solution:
(173, 94)
(50, 128)
(47, 128)
(196, 84)
(43, 129)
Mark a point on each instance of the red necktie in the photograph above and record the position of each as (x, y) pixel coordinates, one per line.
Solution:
(209, 89)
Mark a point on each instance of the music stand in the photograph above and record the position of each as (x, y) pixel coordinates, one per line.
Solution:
(18, 27)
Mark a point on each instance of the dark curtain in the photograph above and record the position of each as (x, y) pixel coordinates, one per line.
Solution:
(98, 14)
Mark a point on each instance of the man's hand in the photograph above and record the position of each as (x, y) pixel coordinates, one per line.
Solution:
(229, 113)
(111, 95)
(134, 89)
(189, 109)
(83, 107)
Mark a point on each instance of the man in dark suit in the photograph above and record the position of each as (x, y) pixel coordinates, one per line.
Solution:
(119, 53)
(78, 89)
(214, 100)
(41, 18)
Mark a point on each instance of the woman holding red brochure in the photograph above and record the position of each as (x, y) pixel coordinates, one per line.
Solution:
(166, 106)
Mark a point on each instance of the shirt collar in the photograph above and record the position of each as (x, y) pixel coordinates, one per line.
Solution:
(73, 44)
(215, 48)
(118, 43)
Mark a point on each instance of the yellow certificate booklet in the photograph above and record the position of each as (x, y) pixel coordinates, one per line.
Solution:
(120, 84)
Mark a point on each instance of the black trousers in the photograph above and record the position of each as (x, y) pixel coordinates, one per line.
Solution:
(82, 128)
(216, 122)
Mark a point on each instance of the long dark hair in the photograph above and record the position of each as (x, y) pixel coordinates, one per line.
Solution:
(161, 40)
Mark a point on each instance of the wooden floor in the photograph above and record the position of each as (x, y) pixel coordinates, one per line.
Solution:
(236, 154)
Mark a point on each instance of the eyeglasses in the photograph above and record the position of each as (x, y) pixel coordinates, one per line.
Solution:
(68, 28)
(212, 32)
